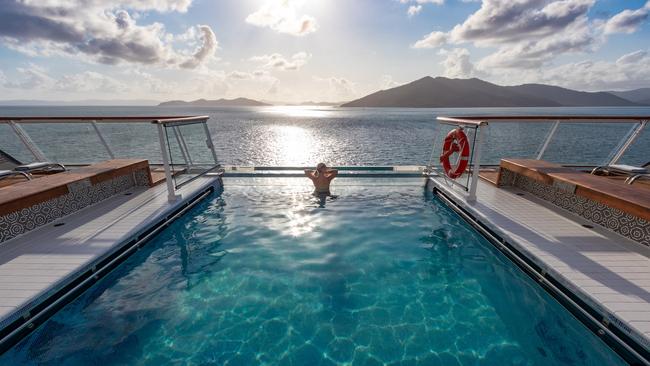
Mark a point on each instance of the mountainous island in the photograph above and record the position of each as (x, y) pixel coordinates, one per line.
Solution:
(238, 102)
(441, 92)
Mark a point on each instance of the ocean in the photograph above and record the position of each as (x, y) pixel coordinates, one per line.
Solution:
(304, 136)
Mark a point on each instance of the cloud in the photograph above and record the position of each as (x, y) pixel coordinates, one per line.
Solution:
(339, 88)
(432, 40)
(457, 63)
(524, 34)
(413, 10)
(530, 34)
(205, 51)
(505, 21)
(282, 17)
(240, 75)
(627, 21)
(89, 81)
(630, 71)
(277, 61)
(578, 37)
(387, 82)
(416, 6)
(34, 77)
(95, 31)
(31, 77)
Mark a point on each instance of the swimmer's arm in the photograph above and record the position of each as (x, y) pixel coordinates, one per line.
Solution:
(332, 173)
(309, 174)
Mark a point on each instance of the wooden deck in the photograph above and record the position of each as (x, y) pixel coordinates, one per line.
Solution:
(28, 193)
(633, 199)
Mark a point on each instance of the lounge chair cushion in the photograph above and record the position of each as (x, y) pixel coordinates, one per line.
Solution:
(630, 169)
(36, 166)
(11, 173)
(6, 173)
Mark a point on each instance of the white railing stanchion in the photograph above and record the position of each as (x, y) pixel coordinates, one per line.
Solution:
(171, 193)
(27, 141)
(471, 197)
(635, 132)
(548, 139)
(101, 138)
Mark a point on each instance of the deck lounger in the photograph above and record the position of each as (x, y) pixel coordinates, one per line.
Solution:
(632, 172)
(39, 167)
(12, 173)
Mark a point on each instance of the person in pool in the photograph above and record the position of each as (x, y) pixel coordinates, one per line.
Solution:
(321, 177)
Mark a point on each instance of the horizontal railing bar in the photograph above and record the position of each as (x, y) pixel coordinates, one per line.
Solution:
(358, 168)
(174, 121)
(87, 119)
(550, 118)
(286, 174)
(461, 121)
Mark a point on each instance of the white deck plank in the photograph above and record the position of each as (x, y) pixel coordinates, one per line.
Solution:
(606, 268)
(34, 263)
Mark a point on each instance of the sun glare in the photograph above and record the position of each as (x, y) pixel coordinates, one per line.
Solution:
(301, 111)
(293, 145)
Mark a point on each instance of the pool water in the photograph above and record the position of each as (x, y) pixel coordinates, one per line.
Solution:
(263, 274)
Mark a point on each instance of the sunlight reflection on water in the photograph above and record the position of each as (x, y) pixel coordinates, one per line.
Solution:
(292, 145)
(301, 111)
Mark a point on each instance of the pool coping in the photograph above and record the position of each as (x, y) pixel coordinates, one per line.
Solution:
(615, 332)
(38, 309)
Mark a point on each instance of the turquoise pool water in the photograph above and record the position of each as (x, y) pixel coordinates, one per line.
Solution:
(385, 274)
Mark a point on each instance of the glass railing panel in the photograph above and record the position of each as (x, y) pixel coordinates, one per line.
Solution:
(67, 143)
(521, 140)
(190, 155)
(585, 144)
(639, 153)
(10, 144)
(132, 140)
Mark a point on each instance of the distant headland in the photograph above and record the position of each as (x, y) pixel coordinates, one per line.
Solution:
(237, 102)
(441, 92)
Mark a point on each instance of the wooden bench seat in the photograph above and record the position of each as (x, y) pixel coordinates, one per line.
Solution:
(627, 198)
(26, 194)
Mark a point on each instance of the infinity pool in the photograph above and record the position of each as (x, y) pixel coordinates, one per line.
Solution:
(263, 274)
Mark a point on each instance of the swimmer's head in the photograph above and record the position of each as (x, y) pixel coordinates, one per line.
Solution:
(321, 167)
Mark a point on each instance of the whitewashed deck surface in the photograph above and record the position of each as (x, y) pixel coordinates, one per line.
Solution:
(608, 271)
(33, 264)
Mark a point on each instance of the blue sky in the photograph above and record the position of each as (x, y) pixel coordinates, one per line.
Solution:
(321, 50)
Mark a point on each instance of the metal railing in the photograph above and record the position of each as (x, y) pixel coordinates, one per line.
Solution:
(175, 125)
(163, 123)
(480, 123)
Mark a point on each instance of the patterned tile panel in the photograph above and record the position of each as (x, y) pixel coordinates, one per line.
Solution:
(613, 219)
(80, 196)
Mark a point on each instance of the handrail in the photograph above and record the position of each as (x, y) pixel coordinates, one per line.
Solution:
(462, 121)
(576, 119)
(85, 119)
(175, 121)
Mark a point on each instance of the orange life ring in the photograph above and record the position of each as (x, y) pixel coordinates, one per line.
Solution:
(455, 141)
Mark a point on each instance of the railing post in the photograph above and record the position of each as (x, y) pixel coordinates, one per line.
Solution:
(171, 193)
(209, 142)
(633, 134)
(471, 197)
(27, 141)
(548, 139)
(101, 138)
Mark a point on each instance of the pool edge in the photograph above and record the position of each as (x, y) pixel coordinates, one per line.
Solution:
(35, 314)
(625, 346)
